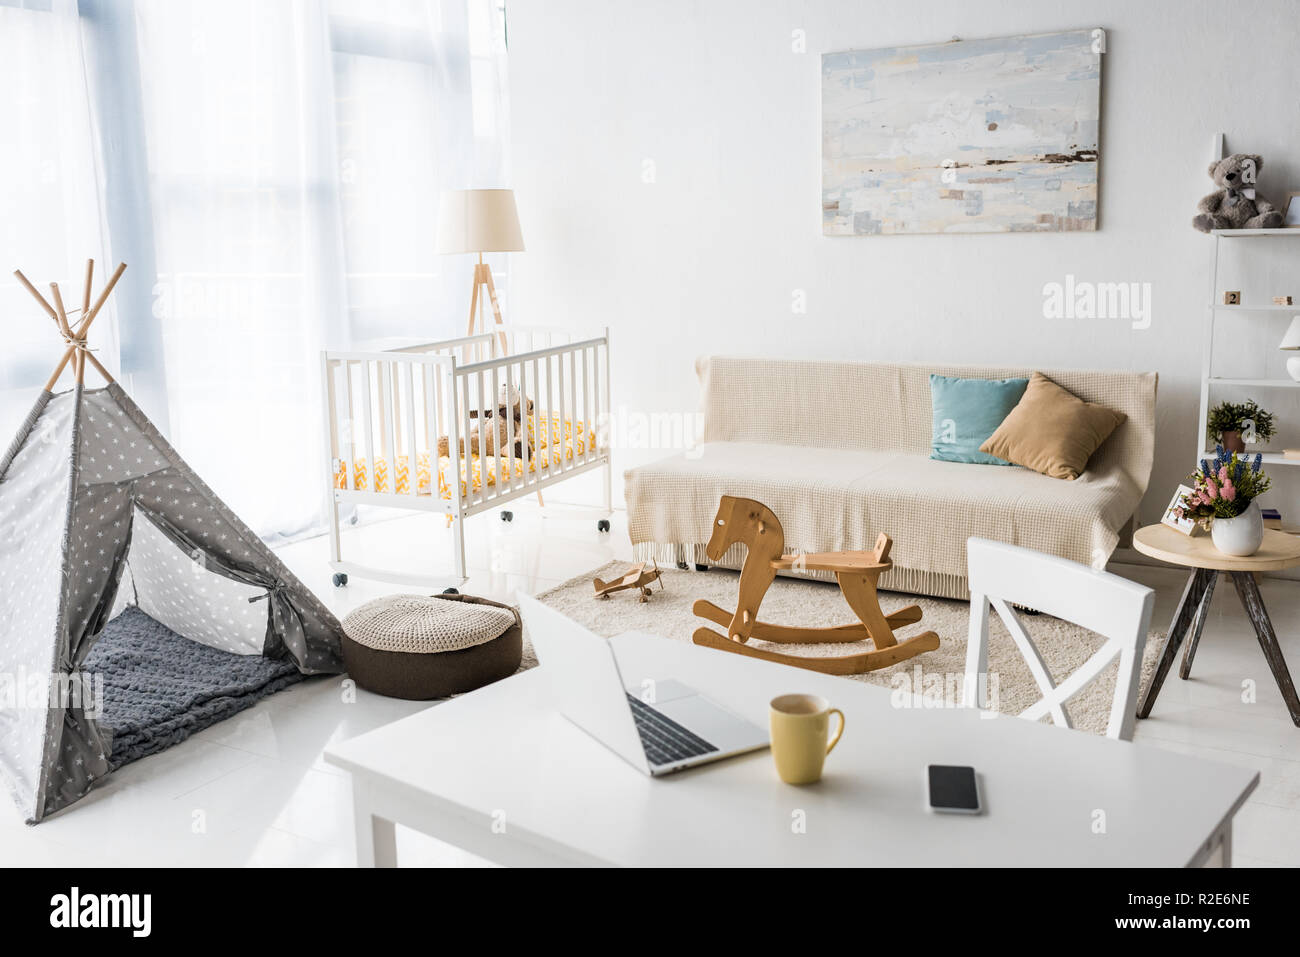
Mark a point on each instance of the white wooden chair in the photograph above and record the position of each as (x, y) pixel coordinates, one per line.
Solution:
(1117, 609)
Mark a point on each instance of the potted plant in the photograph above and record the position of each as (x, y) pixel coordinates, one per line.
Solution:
(1233, 424)
(1223, 499)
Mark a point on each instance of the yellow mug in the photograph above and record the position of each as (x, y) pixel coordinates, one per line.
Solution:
(799, 724)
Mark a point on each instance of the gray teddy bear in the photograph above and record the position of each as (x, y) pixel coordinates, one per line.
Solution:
(1236, 205)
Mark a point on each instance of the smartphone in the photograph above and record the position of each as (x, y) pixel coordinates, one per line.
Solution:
(953, 789)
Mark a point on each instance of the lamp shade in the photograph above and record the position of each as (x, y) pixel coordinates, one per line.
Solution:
(479, 221)
(1292, 338)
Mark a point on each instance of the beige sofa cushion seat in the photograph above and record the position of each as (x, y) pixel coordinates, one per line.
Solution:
(840, 499)
(840, 451)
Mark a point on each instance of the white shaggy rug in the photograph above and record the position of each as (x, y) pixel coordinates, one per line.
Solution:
(937, 675)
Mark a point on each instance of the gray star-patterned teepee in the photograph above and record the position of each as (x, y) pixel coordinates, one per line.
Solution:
(98, 512)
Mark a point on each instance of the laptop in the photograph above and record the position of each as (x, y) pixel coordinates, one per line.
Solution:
(678, 729)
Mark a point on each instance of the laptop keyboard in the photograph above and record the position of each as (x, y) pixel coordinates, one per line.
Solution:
(665, 741)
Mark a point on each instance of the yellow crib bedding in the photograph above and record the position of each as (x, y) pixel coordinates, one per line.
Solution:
(559, 443)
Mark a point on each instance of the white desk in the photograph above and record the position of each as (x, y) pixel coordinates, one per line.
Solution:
(500, 774)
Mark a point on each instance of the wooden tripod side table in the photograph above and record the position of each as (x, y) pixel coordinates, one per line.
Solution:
(1198, 553)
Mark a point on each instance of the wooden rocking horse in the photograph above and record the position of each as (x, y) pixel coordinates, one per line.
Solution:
(751, 522)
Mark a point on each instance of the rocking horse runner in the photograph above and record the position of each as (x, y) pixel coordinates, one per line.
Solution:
(751, 522)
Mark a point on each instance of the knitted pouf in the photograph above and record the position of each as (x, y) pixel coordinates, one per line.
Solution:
(417, 647)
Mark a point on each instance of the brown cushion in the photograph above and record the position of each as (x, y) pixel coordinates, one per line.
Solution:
(1052, 430)
(423, 676)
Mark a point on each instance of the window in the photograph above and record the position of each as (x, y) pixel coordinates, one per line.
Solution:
(275, 178)
(49, 208)
(415, 116)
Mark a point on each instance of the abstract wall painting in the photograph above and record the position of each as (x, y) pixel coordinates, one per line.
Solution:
(972, 136)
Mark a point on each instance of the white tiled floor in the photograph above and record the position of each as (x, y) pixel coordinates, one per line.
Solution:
(254, 790)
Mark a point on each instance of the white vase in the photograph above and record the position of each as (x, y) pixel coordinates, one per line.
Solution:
(1239, 536)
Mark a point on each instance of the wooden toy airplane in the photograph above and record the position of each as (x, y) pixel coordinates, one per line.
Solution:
(751, 522)
(635, 577)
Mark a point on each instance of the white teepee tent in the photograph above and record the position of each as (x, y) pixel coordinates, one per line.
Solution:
(92, 497)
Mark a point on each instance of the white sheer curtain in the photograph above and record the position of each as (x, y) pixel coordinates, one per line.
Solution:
(270, 171)
(250, 276)
(295, 154)
(50, 221)
(419, 92)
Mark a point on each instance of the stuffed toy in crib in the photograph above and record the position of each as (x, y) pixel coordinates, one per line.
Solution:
(496, 434)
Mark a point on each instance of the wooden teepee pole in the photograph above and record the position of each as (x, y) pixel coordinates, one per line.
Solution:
(90, 357)
(89, 317)
(58, 370)
(78, 344)
(76, 352)
(85, 296)
(49, 310)
(61, 316)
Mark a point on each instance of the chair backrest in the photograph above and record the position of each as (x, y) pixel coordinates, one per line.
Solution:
(1119, 610)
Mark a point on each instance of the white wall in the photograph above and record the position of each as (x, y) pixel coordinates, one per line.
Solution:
(708, 257)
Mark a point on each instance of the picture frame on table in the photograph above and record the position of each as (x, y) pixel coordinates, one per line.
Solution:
(1184, 525)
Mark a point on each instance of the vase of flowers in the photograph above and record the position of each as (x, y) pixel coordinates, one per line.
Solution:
(1233, 424)
(1239, 536)
(1223, 499)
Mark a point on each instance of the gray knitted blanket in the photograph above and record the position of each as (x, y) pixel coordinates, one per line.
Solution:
(160, 688)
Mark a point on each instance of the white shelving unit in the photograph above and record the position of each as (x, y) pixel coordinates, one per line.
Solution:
(1208, 380)
(1261, 383)
(1244, 233)
(1256, 308)
(1269, 458)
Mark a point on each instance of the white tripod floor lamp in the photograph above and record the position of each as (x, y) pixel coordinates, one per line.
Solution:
(480, 221)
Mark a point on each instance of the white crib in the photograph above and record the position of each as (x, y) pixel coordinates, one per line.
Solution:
(387, 411)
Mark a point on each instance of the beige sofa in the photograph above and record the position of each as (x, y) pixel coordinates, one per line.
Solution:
(840, 451)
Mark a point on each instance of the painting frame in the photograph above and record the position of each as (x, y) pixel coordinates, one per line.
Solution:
(971, 136)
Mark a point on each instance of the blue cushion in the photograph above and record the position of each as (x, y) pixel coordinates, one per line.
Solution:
(966, 412)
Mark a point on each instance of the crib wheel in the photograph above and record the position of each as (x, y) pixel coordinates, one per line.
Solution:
(340, 579)
(683, 566)
(507, 516)
(602, 525)
(451, 591)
